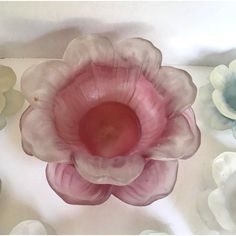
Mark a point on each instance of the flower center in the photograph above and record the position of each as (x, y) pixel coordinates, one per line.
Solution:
(110, 129)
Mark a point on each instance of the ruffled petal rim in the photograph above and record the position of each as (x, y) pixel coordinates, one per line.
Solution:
(223, 167)
(35, 127)
(139, 52)
(156, 181)
(232, 66)
(169, 82)
(120, 170)
(89, 49)
(72, 188)
(219, 76)
(40, 83)
(181, 139)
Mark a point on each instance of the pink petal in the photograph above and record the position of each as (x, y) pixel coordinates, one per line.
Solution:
(181, 138)
(120, 170)
(40, 83)
(156, 181)
(150, 108)
(40, 138)
(141, 53)
(86, 49)
(177, 87)
(72, 188)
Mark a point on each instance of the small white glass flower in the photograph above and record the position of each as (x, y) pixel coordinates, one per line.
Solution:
(29, 227)
(11, 100)
(222, 200)
(220, 97)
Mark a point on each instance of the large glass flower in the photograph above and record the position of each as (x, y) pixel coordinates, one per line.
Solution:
(109, 120)
(220, 97)
(11, 100)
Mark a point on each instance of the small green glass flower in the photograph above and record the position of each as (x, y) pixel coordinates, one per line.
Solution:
(11, 100)
(219, 97)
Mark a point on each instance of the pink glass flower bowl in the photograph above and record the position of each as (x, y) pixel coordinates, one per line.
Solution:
(109, 120)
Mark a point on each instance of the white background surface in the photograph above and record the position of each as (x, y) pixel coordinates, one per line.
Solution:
(27, 195)
(197, 33)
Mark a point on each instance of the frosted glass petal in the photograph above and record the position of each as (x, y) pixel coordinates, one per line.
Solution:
(14, 101)
(7, 78)
(218, 76)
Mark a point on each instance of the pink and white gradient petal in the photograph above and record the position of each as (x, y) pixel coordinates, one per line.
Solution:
(177, 87)
(89, 49)
(181, 138)
(41, 82)
(40, 138)
(119, 170)
(72, 188)
(156, 181)
(140, 53)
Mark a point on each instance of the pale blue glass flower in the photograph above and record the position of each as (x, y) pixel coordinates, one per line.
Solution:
(219, 96)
